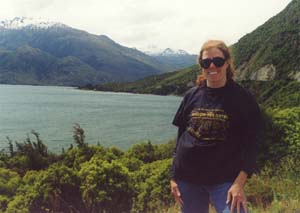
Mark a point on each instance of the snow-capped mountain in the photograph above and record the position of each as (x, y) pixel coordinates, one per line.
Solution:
(175, 59)
(151, 49)
(23, 22)
(155, 51)
(169, 51)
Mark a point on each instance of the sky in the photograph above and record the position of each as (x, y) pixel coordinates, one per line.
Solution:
(153, 24)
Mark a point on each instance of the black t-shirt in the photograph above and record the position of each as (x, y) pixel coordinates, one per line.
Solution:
(217, 134)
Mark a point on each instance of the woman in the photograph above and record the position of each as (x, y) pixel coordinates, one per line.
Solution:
(217, 125)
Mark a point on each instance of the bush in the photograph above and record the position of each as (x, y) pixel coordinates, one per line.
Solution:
(105, 186)
(280, 136)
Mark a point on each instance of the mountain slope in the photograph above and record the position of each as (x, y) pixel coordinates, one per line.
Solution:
(32, 66)
(272, 51)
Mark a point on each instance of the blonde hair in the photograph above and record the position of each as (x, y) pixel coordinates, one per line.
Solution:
(226, 52)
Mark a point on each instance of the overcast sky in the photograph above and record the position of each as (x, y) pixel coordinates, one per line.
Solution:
(178, 24)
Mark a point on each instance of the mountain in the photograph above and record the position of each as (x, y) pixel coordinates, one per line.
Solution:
(272, 51)
(40, 52)
(173, 59)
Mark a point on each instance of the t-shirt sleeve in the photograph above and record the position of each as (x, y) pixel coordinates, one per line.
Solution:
(179, 116)
(253, 122)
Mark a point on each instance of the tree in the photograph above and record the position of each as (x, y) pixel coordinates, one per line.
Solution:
(79, 136)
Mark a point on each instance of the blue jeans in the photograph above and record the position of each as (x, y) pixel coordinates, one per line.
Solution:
(196, 197)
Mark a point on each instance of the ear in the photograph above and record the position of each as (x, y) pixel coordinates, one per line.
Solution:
(228, 74)
(227, 64)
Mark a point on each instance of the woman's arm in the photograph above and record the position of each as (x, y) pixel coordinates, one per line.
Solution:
(175, 192)
(252, 123)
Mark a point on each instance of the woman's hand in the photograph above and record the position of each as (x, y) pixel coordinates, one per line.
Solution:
(237, 197)
(236, 193)
(176, 193)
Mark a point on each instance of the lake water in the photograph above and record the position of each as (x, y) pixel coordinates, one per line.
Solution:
(111, 119)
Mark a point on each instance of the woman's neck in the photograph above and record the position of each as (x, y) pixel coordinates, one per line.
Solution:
(217, 84)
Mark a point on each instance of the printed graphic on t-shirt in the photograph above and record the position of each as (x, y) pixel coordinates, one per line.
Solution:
(208, 125)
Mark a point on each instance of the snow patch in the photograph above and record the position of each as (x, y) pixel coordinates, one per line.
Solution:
(22, 22)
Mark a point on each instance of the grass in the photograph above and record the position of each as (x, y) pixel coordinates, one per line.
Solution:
(276, 189)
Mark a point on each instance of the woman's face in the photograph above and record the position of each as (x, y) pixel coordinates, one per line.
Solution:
(215, 76)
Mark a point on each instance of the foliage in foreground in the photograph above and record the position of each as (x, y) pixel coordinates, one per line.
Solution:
(85, 178)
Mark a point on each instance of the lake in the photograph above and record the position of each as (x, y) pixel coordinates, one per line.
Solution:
(111, 119)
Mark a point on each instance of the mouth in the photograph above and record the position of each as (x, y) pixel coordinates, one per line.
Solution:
(213, 73)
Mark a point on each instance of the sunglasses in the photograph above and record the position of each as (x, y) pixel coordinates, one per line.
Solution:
(217, 61)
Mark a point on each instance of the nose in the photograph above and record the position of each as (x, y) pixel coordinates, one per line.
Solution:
(212, 65)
